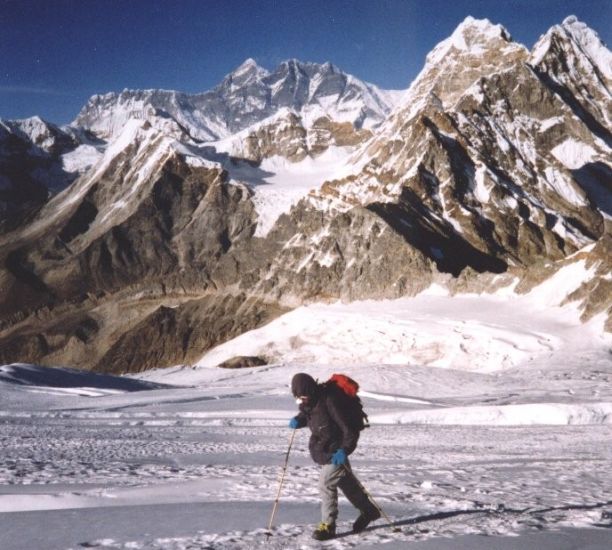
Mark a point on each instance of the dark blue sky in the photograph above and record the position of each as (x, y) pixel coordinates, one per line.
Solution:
(54, 54)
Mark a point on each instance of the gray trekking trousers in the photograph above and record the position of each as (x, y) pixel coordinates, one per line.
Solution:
(334, 477)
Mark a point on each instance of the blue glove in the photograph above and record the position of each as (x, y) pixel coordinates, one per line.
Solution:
(339, 458)
(294, 423)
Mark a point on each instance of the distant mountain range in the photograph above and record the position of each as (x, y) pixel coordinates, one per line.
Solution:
(159, 224)
(245, 97)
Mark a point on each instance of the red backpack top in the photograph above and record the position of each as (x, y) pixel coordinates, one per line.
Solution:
(346, 384)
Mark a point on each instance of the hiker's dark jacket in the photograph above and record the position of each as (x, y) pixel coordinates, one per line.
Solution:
(331, 428)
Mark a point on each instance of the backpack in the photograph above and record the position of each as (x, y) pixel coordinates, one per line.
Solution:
(347, 388)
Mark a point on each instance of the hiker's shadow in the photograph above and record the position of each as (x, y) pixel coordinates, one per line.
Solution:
(397, 525)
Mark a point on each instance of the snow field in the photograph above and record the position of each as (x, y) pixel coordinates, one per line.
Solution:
(504, 441)
(433, 481)
(478, 333)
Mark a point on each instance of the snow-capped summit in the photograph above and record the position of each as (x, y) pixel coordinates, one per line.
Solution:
(247, 73)
(471, 37)
(250, 66)
(476, 48)
(480, 29)
(44, 135)
(590, 43)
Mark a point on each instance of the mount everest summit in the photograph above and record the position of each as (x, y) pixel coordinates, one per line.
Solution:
(177, 221)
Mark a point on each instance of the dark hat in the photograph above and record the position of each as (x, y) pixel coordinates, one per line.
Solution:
(304, 384)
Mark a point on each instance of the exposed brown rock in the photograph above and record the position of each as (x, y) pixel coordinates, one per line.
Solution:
(243, 362)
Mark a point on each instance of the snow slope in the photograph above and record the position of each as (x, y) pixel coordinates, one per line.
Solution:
(481, 333)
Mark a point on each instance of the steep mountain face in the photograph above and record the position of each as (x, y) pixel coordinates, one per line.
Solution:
(245, 97)
(494, 169)
(500, 163)
(572, 61)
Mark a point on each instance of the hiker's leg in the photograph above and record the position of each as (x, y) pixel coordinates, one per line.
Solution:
(329, 479)
(352, 489)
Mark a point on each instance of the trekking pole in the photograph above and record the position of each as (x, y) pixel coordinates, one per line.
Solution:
(371, 498)
(280, 485)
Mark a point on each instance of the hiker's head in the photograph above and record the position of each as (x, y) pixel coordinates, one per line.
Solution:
(304, 386)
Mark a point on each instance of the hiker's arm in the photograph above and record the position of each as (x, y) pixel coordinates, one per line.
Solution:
(298, 421)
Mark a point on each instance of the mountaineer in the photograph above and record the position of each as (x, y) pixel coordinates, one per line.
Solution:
(335, 419)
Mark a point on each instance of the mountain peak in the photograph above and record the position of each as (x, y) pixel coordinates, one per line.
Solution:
(247, 71)
(474, 32)
(570, 21)
(589, 42)
(472, 36)
(247, 65)
(579, 30)
(585, 40)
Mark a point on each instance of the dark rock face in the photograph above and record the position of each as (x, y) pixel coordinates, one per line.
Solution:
(289, 136)
(178, 335)
(353, 255)
(166, 249)
(243, 362)
(26, 168)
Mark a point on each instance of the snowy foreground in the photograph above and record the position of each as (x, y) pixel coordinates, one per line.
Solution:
(491, 428)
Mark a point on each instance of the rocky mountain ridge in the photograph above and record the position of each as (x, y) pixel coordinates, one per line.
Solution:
(494, 169)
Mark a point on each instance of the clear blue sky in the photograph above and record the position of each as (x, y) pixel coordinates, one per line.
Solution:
(55, 54)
